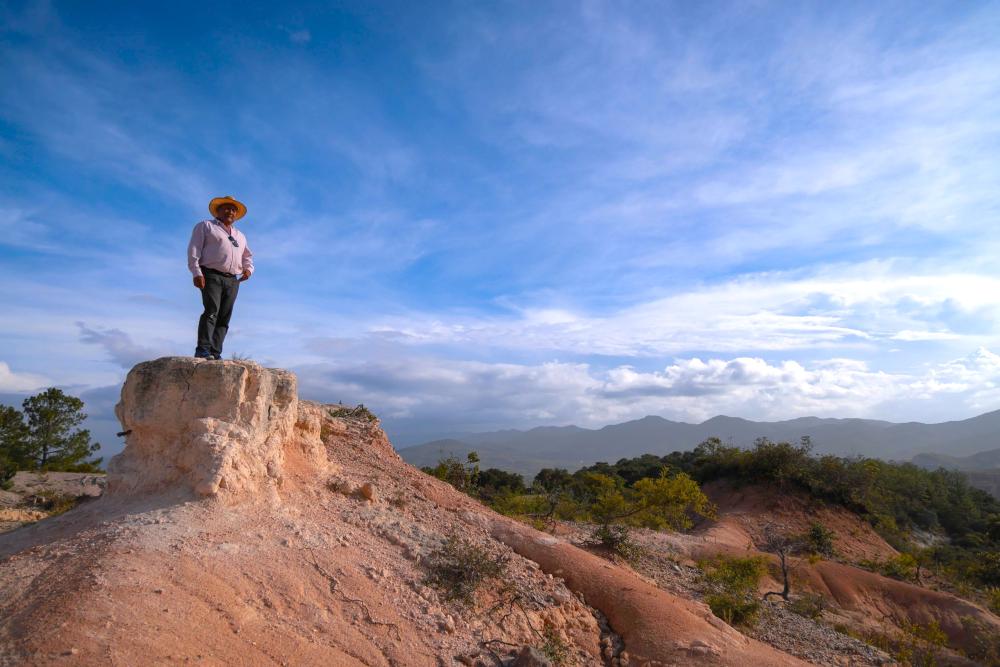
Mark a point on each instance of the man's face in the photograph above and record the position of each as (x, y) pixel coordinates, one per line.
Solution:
(226, 213)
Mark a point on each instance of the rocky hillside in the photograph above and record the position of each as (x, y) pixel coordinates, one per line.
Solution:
(243, 526)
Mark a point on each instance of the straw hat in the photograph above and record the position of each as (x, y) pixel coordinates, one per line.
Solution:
(214, 205)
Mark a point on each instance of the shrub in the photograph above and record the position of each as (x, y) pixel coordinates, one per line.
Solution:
(734, 583)
(359, 413)
(339, 485)
(903, 567)
(618, 540)
(553, 647)
(819, 540)
(734, 609)
(459, 567)
(920, 645)
(736, 575)
(463, 476)
(993, 600)
(984, 643)
(494, 481)
(809, 605)
(53, 502)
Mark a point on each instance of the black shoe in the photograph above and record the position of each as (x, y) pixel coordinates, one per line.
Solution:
(217, 357)
(204, 356)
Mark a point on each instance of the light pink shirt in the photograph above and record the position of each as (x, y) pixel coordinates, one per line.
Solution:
(210, 247)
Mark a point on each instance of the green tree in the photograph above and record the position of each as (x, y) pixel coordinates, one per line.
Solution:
(53, 440)
(493, 481)
(463, 476)
(553, 479)
(13, 434)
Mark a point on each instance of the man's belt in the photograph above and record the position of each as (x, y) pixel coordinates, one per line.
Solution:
(205, 269)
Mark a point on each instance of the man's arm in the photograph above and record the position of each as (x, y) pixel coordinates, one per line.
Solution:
(194, 255)
(247, 260)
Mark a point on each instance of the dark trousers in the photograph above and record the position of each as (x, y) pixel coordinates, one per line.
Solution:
(218, 298)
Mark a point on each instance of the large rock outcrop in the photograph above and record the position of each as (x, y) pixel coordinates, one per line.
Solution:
(215, 428)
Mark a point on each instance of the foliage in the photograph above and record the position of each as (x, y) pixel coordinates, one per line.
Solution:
(53, 502)
(618, 540)
(359, 413)
(733, 583)
(735, 610)
(902, 567)
(986, 568)
(983, 644)
(896, 498)
(809, 605)
(666, 502)
(13, 434)
(463, 476)
(920, 645)
(552, 479)
(993, 597)
(45, 436)
(819, 540)
(493, 482)
(737, 575)
(459, 567)
(553, 646)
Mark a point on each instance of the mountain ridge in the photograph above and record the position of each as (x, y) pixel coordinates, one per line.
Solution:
(571, 447)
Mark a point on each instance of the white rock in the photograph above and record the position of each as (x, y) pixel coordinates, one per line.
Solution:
(217, 429)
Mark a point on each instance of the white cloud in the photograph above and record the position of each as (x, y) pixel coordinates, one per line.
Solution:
(20, 382)
(462, 395)
(911, 336)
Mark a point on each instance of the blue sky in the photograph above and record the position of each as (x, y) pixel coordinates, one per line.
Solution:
(473, 216)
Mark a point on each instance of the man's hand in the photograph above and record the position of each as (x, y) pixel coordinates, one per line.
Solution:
(199, 282)
(246, 275)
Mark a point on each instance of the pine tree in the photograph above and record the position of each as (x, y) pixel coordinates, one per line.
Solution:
(13, 434)
(53, 440)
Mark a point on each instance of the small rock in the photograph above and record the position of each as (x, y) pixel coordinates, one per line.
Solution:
(447, 624)
(72, 651)
(367, 491)
(158, 591)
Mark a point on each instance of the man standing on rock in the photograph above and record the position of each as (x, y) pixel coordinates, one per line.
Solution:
(219, 259)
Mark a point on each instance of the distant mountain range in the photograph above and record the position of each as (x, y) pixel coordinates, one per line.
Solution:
(989, 460)
(982, 469)
(573, 447)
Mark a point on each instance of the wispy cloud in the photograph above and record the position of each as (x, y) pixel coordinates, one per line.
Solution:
(119, 346)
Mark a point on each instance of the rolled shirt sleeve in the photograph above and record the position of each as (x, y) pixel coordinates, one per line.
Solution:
(195, 249)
